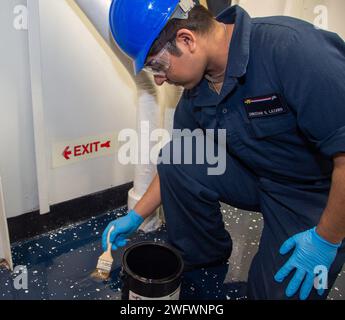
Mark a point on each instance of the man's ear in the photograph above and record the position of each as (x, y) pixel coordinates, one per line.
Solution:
(186, 39)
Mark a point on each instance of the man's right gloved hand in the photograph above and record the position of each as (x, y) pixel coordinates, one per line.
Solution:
(124, 227)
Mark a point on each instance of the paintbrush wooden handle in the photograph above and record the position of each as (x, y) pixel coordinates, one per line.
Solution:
(108, 239)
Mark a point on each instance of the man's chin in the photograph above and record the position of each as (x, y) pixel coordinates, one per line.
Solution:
(189, 86)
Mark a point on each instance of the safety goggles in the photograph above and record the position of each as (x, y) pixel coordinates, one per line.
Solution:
(160, 63)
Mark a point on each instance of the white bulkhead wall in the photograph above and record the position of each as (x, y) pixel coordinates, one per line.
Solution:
(17, 159)
(86, 92)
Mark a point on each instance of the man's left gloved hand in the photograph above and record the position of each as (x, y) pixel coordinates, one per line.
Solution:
(310, 251)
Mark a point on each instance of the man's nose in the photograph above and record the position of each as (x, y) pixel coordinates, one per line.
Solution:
(159, 80)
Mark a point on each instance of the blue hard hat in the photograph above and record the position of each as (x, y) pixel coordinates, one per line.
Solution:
(136, 24)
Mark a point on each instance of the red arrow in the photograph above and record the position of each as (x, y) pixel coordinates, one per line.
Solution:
(67, 153)
(106, 145)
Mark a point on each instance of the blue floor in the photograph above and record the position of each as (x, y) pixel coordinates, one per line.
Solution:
(59, 265)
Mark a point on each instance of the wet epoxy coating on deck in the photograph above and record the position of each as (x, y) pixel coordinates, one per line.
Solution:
(59, 263)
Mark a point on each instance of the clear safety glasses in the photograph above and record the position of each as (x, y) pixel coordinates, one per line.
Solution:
(160, 63)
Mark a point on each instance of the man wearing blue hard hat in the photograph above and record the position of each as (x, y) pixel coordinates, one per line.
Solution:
(277, 85)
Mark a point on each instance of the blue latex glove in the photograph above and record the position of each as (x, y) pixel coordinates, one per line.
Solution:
(124, 227)
(310, 251)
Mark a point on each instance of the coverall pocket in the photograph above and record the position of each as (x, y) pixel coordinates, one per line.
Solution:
(261, 128)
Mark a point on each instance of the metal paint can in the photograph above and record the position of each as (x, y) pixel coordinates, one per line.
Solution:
(151, 271)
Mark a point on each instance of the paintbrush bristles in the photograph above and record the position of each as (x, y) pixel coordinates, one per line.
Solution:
(104, 263)
(99, 274)
(4, 264)
(103, 268)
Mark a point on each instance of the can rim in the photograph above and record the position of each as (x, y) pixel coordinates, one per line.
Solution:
(166, 280)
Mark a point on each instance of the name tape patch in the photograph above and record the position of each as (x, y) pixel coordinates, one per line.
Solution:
(265, 106)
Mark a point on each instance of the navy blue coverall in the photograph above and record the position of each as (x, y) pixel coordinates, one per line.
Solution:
(283, 106)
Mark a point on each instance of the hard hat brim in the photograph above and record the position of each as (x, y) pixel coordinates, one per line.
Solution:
(139, 62)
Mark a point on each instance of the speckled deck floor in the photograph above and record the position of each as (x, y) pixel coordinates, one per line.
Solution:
(60, 263)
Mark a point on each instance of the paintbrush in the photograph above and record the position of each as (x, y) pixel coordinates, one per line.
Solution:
(105, 261)
(4, 264)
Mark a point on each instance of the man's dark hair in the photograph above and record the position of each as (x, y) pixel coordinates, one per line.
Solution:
(200, 20)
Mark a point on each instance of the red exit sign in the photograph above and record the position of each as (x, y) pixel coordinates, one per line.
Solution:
(85, 149)
(74, 151)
